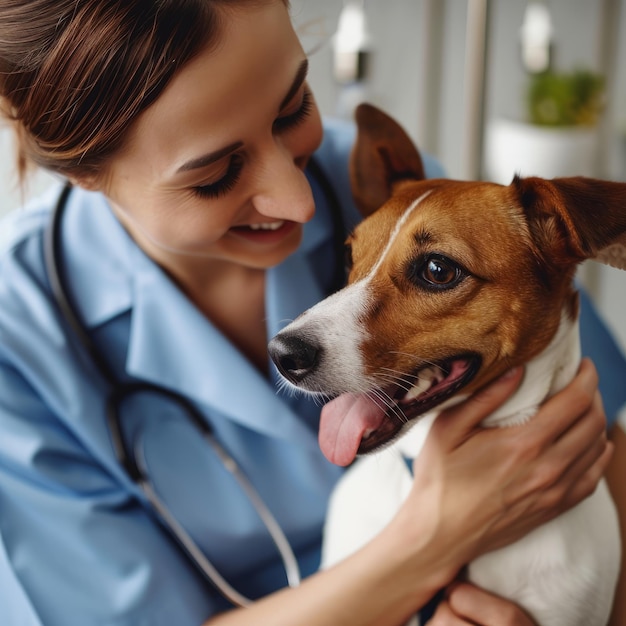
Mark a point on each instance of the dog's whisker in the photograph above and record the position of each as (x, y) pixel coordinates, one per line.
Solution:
(399, 381)
(405, 382)
(420, 361)
(318, 397)
(402, 386)
(389, 403)
(395, 375)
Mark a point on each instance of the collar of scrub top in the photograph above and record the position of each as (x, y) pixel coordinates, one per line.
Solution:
(112, 275)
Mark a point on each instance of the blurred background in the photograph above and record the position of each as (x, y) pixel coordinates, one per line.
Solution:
(489, 87)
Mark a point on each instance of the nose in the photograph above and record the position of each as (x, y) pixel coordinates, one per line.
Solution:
(294, 357)
(284, 191)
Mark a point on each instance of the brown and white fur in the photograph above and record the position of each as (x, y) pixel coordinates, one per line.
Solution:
(452, 284)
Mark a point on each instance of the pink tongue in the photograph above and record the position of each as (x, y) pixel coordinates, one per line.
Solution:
(344, 421)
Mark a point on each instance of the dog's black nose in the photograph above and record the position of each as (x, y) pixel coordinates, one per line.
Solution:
(294, 357)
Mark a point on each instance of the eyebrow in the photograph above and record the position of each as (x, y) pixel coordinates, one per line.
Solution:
(297, 83)
(209, 158)
(212, 157)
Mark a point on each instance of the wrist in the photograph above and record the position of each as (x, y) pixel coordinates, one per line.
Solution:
(418, 557)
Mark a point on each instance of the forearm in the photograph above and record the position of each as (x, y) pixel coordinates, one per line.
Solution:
(381, 585)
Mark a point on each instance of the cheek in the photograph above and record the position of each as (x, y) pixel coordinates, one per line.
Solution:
(202, 221)
(179, 220)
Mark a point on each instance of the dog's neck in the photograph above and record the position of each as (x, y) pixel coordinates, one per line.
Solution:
(545, 375)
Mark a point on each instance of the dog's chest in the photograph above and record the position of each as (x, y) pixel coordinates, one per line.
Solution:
(563, 573)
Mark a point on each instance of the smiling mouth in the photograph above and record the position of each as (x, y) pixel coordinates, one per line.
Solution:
(430, 386)
(267, 226)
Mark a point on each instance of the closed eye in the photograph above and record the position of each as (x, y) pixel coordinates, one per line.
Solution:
(226, 183)
(287, 122)
(281, 124)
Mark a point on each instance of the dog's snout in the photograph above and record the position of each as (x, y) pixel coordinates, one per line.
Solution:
(294, 357)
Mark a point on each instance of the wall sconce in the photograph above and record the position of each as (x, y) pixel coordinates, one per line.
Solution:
(536, 37)
(351, 44)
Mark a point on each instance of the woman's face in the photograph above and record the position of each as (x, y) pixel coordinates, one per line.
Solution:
(214, 169)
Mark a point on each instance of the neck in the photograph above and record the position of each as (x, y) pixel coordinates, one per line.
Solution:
(545, 375)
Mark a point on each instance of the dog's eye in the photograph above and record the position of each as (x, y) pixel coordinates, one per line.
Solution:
(436, 271)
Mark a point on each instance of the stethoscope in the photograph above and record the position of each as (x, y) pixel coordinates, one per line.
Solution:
(130, 458)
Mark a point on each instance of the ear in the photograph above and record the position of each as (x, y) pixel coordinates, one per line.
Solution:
(382, 155)
(583, 218)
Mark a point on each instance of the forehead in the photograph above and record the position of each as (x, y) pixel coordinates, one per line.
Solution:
(464, 219)
(222, 93)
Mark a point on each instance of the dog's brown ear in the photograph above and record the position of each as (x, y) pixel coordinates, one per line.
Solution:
(382, 155)
(581, 218)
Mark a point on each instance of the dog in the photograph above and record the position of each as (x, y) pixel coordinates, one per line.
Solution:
(451, 284)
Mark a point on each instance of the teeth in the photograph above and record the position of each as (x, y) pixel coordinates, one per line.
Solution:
(427, 379)
(268, 226)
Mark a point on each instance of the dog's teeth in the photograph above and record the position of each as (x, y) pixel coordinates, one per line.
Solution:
(428, 378)
(418, 389)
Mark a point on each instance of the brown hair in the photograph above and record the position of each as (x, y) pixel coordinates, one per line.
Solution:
(75, 74)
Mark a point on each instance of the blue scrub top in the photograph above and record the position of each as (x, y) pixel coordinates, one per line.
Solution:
(77, 546)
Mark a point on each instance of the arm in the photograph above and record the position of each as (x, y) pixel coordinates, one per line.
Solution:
(617, 485)
(475, 490)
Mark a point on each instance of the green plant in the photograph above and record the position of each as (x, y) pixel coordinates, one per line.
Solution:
(565, 99)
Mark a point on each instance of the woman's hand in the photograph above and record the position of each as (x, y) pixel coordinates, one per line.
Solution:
(477, 489)
(467, 605)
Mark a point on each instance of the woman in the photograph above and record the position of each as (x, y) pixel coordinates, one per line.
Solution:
(186, 127)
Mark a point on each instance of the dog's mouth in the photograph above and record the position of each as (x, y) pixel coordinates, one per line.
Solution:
(354, 424)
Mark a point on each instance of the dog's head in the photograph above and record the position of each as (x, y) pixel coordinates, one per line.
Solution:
(451, 284)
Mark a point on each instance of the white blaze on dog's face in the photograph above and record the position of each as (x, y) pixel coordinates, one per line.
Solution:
(452, 284)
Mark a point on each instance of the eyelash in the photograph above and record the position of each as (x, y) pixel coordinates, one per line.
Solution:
(281, 125)
(224, 184)
(288, 122)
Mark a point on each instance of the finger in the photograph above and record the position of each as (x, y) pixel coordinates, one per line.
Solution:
(585, 485)
(565, 409)
(569, 469)
(592, 427)
(583, 444)
(553, 501)
(591, 456)
(444, 616)
(575, 451)
(479, 607)
(589, 427)
(587, 460)
(463, 418)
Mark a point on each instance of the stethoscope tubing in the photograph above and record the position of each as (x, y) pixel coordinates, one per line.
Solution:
(132, 459)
